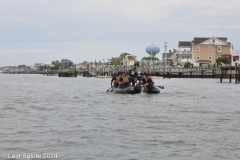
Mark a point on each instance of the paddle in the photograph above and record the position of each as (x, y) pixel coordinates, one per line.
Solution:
(116, 89)
(109, 89)
(162, 87)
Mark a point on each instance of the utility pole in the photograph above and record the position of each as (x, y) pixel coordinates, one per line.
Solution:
(165, 59)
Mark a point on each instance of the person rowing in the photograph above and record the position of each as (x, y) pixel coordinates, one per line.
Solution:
(141, 79)
(115, 80)
(124, 81)
(132, 76)
(149, 82)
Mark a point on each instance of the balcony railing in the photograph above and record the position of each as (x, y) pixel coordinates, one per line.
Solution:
(184, 52)
(185, 60)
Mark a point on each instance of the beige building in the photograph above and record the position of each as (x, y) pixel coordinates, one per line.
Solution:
(129, 61)
(206, 50)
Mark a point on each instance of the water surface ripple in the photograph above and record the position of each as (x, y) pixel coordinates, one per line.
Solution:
(77, 119)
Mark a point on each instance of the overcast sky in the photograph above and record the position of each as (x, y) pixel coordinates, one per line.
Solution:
(39, 31)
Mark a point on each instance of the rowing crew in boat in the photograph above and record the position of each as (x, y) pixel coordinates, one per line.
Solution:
(122, 80)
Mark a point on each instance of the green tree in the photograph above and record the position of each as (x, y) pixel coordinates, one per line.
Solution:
(56, 65)
(188, 65)
(221, 60)
(150, 58)
(115, 61)
(177, 56)
(122, 55)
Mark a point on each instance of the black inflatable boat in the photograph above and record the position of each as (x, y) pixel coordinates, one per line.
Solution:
(154, 90)
(135, 90)
(127, 90)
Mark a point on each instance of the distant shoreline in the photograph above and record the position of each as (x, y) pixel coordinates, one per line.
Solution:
(154, 77)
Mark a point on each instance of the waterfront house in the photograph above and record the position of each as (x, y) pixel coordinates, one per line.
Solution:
(205, 50)
(91, 67)
(66, 63)
(22, 68)
(171, 57)
(8, 68)
(129, 61)
(184, 57)
(37, 66)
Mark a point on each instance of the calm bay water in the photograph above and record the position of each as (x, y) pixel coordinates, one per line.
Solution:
(77, 119)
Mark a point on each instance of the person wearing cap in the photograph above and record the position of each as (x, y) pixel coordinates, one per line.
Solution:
(124, 81)
(149, 83)
(132, 76)
(141, 79)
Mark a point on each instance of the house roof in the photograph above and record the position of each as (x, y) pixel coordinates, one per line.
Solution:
(198, 40)
(184, 44)
(22, 66)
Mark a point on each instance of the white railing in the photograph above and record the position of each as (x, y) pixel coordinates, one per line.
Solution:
(184, 52)
(185, 60)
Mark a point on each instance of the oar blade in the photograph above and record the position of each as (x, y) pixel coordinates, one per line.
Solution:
(109, 89)
(162, 87)
(116, 89)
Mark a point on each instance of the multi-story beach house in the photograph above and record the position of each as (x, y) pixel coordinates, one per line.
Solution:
(205, 50)
(66, 63)
(171, 57)
(36, 66)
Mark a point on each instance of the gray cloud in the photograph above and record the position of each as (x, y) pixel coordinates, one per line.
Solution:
(89, 30)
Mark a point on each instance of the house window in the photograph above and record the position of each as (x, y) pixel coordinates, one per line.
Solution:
(213, 40)
(193, 56)
(219, 48)
(210, 57)
(194, 48)
(198, 56)
(198, 48)
(210, 48)
(219, 56)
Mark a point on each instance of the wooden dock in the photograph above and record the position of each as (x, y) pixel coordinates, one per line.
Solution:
(221, 72)
(67, 72)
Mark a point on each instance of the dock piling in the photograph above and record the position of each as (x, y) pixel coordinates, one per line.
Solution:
(221, 74)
